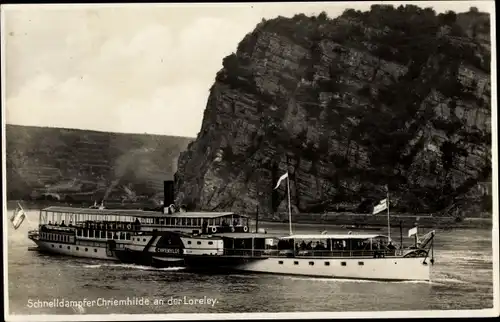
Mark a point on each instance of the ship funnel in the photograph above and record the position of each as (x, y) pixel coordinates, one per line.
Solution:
(168, 193)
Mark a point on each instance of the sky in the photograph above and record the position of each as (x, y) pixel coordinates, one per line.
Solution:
(136, 68)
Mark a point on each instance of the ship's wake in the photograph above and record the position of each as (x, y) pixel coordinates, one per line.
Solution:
(132, 266)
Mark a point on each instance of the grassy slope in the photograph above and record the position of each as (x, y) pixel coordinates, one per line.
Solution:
(41, 156)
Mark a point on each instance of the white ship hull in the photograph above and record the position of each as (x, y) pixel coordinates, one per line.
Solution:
(388, 268)
(95, 252)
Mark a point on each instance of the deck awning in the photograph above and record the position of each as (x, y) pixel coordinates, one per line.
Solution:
(335, 236)
(140, 213)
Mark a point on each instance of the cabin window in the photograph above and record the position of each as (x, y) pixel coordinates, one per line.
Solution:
(189, 242)
(60, 246)
(162, 222)
(311, 263)
(144, 239)
(109, 235)
(52, 245)
(361, 263)
(280, 262)
(127, 236)
(69, 247)
(296, 263)
(95, 250)
(199, 243)
(343, 263)
(210, 243)
(86, 249)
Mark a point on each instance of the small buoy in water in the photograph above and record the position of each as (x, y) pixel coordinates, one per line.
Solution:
(350, 232)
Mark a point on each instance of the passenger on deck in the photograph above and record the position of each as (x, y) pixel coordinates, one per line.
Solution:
(63, 224)
(50, 222)
(303, 245)
(319, 246)
(391, 246)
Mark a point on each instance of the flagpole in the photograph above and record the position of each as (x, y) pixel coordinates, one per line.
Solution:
(289, 205)
(388, 216)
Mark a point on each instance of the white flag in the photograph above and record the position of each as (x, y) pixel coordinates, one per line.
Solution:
(382, 205)
(412, 231)
(283, 177)
(18, 217)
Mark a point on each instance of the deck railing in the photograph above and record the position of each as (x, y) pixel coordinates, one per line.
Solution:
(310, 253)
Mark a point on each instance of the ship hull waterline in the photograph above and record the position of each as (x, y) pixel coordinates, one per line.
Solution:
(382, 269)
(82, 251)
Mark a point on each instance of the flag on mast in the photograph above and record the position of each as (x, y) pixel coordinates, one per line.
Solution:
(283, 177)
(412, 231)
(381, 206)
(18, 217)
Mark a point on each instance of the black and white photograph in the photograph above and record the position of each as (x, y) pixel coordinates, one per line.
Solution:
(201, 161)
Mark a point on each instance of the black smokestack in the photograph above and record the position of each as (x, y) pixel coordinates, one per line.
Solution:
(168, 193)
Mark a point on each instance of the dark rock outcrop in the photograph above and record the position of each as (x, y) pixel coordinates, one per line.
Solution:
(396, 96)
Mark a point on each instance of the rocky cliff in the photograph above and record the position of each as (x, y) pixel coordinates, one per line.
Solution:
(396, 96)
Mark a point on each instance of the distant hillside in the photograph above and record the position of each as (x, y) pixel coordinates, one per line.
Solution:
(78, 164)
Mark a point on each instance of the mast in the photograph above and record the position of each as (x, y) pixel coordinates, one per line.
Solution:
(388, 215)
(289, 205)
(257, 220)
(401, 233)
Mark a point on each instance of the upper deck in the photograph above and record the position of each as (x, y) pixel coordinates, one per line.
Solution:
(147, 220)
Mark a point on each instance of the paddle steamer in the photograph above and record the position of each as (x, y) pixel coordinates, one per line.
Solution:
(101, 233)
(355, 256)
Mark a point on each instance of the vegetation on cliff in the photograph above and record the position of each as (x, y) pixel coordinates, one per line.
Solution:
(397, 96)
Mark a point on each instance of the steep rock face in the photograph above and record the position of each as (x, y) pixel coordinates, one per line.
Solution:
(390, 96)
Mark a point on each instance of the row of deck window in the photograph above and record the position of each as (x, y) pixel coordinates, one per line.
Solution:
(77, 248)
(190, 222)
(57, 237)
(89, 233)
(326, 263)
(199, 242)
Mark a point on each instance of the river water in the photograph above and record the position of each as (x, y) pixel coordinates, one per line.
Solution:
(462, 278)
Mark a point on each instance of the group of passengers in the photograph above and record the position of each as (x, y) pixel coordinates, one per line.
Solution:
(62, 224)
